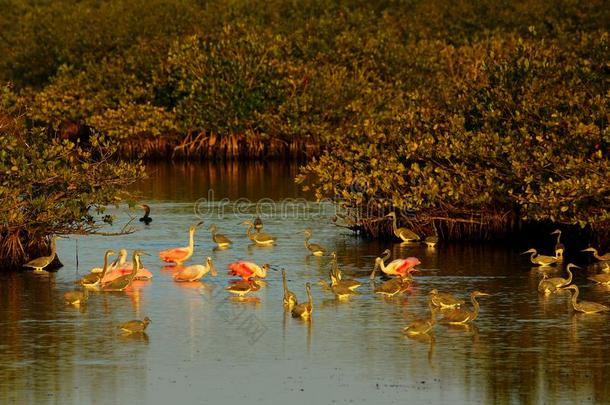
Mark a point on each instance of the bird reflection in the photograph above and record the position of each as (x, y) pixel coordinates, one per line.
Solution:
(245, 300)
(189, 285)
(426, 338)
(220, 248)
(141, 337)
(171, 268)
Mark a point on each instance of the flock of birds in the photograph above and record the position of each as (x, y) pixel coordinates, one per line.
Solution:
(396, 275)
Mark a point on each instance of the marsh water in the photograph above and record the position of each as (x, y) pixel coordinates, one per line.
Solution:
(204, 346)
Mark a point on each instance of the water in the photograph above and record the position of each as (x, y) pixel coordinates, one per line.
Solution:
(204, 346)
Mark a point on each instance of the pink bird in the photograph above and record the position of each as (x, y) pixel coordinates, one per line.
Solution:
(181, 254)
(196, 271)
(142, 274)
(398, 267)
(247, 270)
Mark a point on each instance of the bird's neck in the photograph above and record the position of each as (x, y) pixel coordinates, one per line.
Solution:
(191, 240)
(569, 279)
(53, 247)
(136, 266)
(394, 225)
(307, 242)
(574, 297)
(105, 268)
(475, 305)
(309, 299)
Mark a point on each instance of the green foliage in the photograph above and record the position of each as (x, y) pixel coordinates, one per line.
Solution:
(51, 185)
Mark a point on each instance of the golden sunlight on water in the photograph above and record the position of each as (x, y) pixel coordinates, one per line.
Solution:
(204, 345)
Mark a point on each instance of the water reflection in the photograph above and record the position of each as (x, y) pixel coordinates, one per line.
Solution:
(524, 347)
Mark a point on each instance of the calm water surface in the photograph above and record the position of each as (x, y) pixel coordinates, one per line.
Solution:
(204, 346)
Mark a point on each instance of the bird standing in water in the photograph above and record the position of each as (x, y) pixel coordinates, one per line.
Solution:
(463, 316)
(93, 280)
(444, 300)
(304, 310)
(76, 297)
(259, 238)
(586, 307)
(247, 270)
(220, 240)
(405, 234)
(135, 326)
(540, 260)
(422, 326)
(181, 254)
(314, 248)
(196, 271)
(146, 218)
(40, 263)
(602, 258)
(559, 247)
(122, 282)
(290, 299)
(244, 287)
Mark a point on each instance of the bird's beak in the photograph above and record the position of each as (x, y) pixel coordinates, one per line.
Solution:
(199, 223)
(273, 268)
(144, 254)
(484, 293)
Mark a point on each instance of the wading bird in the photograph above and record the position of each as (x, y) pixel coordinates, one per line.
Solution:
(220, 240)
(405, 234)
(290, 299)
(181, 254)
(545, 287)
(118, 263)
(93, 280)
(243, 287)
(126, 268)
(540, 260)
(431, 241)
(586, 307)
(398, 267)
(559, 247)
(247, 270)
(560, 282)
(122, 282)
(135, 326)
(304, 310)
(196, 271)
(258, 224)
(314, 248)
(444, 300)
(602, 258)
(259, 238)
(391, 287)
(41, 262)
(146, 218)
(463, 316)
(336, 276)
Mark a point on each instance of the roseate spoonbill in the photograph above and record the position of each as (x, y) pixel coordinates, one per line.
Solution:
(422, 326)
(304, 310)
(560, 282)
(602, 258)
(76, 297)
(258, 224)
(247, 270)
(405, 234)
(92, 280)
(122, 282)
(196, 271)
(587, 307)
(398, 267)
(142, 274)
(41, 262)
(181, 254)
(545, 287)
(314, 248)
(146, 218)
(540, 260)
(243, 287)
(135, 326)
(463, 316)
(559, 247)
(220, 240)
(261, 239)
(290, 300)
(444, 300)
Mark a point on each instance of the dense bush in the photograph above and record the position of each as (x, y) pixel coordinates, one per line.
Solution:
(474, 114)
(52, 186)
